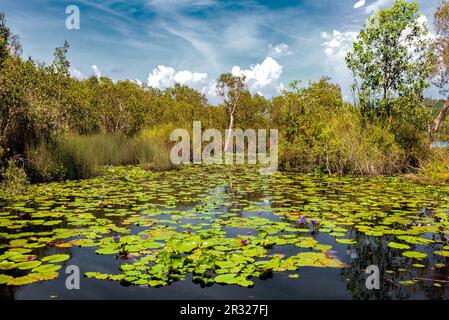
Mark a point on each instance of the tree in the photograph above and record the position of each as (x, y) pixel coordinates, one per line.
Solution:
(61, 64)
(390, 57)
(232, 90)
(440, 74)
(9, 43)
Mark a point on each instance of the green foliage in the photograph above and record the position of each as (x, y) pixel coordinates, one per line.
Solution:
(320, 132)
(436, 166)
(390, 58)
(66, 128)
(153, 147)
(15, 180)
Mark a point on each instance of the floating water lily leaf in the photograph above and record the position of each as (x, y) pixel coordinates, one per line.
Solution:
(414, 254)
(442, 253)
(414, 240)
(56, 258)
(398, 246)
(7, 265)
(20, 281)
(97, 275)
(4, 278)
(346, 241)
(47, 268)
(233, 279)
(27, 265)
(108, 250)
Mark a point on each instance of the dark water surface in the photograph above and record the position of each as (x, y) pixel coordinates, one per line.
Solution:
(374, 212)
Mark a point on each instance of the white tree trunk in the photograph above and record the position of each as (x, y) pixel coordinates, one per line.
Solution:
(228, 137)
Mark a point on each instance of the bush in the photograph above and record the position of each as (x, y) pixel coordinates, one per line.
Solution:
(153, 147)
(436, 167)
(343, 144)
(15, 180)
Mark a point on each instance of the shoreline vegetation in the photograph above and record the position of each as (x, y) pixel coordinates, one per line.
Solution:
(55, 127)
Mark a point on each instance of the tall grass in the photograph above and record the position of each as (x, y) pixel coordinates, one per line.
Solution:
(81, 156)
(436, 166)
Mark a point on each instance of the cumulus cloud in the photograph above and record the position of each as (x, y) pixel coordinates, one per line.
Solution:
(338, 43)
(97, 71)
(261, 78)
(165, 77)
(279, 50)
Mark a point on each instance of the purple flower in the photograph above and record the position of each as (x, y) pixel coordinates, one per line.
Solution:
(314, 221)
(116, 239)
(31, 258)
(101, 197)
(250, 233)
(303, 220)
(243, 242)
(144, 236)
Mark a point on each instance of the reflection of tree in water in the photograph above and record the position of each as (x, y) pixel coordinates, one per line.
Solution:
(372, 252)
(368, 252)
(8, 292)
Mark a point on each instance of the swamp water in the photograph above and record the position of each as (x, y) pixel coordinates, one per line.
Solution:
(225, 233)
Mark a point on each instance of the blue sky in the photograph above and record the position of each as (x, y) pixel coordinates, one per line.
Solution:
(161, 42)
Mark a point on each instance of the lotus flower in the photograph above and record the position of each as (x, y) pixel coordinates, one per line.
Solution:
(117, 239)
(303, 220)
(250, 233)
(31, 258)
(243, 242)
(314, 221)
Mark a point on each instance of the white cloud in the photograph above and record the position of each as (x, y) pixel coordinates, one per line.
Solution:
(279, 50)
(165, 77)
(359, 4)
(338, 44)
(335, 48)
(261, 78)
(97, 71)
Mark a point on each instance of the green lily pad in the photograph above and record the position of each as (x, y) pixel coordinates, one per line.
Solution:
(396, 245)
(56, 258)
(414, 254)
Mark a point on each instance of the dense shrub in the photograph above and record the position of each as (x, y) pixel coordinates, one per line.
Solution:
(14, 177)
